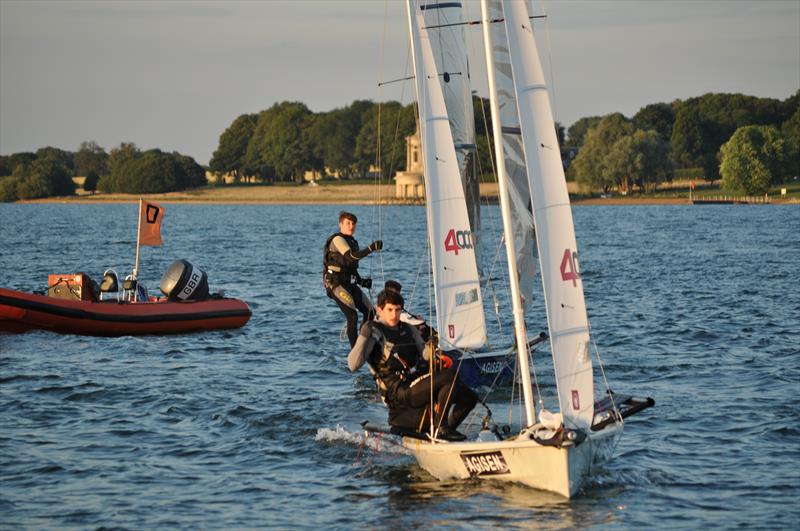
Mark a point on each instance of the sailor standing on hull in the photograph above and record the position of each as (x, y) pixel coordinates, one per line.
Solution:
(340, 274)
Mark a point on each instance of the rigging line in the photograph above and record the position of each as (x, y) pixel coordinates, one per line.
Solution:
(603, 373)
(395, 80)
(382, 62)
(535, 377)
(552, 75)
(494, 383)
(490, 284)
(420, 263)
(477, 22)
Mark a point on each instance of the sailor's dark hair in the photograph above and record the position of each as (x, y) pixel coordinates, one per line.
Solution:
(347, 215)
(393, 285)
(391, 297)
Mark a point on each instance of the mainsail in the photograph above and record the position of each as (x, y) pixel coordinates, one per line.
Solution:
(444, 22)
(514, 157)
(459, 305)
(555, 232)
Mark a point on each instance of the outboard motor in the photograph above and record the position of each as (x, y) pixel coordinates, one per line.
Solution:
(184, 282)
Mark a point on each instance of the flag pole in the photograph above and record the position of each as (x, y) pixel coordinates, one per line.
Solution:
(138, 238)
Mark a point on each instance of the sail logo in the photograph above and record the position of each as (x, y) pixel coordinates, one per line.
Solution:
(485, 464)
(458, 240)
(451, 331)
(569, 267)
(576, 400)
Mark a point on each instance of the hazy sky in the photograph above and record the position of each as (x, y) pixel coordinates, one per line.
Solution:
(174, 75)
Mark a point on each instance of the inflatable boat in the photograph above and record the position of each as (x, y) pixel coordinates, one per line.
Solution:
(76, 305)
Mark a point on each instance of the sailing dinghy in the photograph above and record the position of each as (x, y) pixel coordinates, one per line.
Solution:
(557, 451)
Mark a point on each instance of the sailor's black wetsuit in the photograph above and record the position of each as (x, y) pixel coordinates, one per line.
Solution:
(395, 356)
(340, 277)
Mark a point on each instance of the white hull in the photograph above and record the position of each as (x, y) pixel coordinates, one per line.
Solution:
(559, 470)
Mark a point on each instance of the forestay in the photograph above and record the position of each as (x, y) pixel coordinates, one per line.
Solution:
(459, 305)
(563, 287)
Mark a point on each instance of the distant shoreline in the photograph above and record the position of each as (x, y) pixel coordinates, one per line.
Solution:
(330, 194)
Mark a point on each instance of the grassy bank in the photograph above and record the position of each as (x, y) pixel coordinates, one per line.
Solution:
(344, 194)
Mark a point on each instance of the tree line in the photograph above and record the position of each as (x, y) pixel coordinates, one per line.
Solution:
(747, 141)
(126, 169)
(613, 151)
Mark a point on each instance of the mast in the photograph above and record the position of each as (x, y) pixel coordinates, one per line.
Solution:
(516, 302)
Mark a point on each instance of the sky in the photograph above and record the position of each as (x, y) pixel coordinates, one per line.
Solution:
(173, 75)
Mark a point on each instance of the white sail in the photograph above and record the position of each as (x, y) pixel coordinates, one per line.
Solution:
(514, 157)
(444, 21)
(535, 456)
(558, 252)
(459, 305)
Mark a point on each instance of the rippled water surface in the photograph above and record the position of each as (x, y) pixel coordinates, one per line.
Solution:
(698, 307)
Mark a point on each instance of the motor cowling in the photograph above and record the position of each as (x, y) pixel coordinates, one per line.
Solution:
(184, 282)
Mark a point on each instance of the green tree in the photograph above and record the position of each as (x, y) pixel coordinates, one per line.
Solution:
(192, 175)
(148, 172)
(483, 138)
(229, 157)
(15, 159)
(90, 158)
(279, 148)
(561, 134)
(8, 189)
(687, 136)
(577, 132)
(119, 166)
(589, 167)
(754, 158)
(43, 177)
(396, 123)
(5, 167)
(639, 159)
(703, 124)
(333, 137)
(90, 183)
(791, 131)
(659, 117)
(58, 156)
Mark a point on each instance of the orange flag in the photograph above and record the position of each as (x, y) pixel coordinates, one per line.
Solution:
(150, 216)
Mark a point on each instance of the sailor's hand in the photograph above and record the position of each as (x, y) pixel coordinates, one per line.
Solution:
(377, 245)
(443, 361)
(367, 283)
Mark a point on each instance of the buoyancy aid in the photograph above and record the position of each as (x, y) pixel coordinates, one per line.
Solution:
(394, 357)
(338, 268)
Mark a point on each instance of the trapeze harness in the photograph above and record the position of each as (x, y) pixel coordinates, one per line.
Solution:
(393, 359)
(339, 269)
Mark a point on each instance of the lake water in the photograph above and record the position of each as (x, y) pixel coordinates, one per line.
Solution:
(696, 306)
